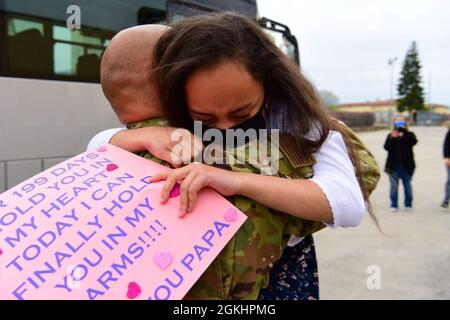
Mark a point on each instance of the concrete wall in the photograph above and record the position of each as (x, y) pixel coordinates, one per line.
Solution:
(44, 122)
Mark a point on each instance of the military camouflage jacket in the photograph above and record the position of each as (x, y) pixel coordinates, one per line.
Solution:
(242, 268)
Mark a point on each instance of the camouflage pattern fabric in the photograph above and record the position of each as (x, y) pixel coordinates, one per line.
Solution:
(242, 268)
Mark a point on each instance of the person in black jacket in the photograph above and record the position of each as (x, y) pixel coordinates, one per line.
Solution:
(400, 163)
(447, 164)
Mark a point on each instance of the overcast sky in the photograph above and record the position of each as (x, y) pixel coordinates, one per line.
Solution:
(345, 44)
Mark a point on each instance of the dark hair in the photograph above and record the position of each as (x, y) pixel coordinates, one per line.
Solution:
(204, 41)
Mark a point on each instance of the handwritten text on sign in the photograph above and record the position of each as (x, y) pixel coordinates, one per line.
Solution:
(92, 227)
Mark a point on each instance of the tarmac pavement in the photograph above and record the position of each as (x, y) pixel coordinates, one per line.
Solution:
(411, 258)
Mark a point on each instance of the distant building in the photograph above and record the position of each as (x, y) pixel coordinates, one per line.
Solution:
(386, 110)
(438, 108)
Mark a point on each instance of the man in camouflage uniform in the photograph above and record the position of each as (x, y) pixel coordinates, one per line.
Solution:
(242, 268)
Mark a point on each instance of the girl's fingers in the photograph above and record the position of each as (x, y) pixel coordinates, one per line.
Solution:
(171, 179)
(194, 189)
(191, 185)
(168, 186)
(160, 176)
(184, 196)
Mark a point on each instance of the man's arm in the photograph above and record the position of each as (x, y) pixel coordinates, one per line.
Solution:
(130, 140)
(103, 137)
(159, 140)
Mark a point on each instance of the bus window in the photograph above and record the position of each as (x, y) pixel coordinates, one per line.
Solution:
(35, 42)
(27, 48)
(68, 55)
(16, 26)
(98, 52)
(64, 34)
(147, 15)
(76, 53)
(42, 48)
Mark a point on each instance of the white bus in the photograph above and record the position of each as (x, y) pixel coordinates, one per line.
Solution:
(51, 102)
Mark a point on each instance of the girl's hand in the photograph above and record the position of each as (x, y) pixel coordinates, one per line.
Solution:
(174, 145)
(193, 178)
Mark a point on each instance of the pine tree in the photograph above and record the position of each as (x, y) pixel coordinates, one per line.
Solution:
(410, 91)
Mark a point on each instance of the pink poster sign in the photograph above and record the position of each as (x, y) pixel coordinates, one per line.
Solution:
(92, 228)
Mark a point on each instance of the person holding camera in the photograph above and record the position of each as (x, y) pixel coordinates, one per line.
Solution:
(400, 163)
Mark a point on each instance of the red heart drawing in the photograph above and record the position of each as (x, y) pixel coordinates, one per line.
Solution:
(231, 215)
(111, 167)
(175, 192)
(101, 149)
(134, 290)
(163, 259)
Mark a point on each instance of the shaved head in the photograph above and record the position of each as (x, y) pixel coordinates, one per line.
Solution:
(126, 73)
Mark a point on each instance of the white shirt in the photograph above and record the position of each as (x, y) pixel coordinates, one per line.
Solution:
(333, 173)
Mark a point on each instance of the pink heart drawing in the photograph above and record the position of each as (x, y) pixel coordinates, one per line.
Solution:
(175, 192)
(1, 252)
(163, 259)
(231, 215)
(111, 167)
(101, 149)
(134, 290)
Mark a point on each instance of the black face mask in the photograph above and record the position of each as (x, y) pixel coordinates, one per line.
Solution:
(256, 122)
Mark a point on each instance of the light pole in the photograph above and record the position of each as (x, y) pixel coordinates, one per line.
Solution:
(391, 63)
